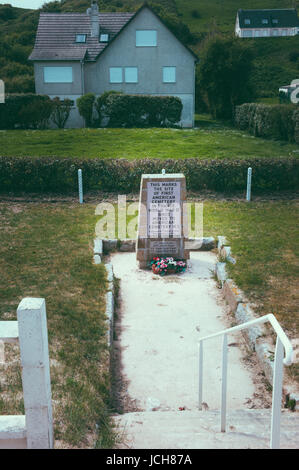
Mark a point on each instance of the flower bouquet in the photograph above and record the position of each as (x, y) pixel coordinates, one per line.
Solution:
(167, 265)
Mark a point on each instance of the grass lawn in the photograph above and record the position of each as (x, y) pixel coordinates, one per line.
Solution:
(209, 140)
(46, 251)
(264, 240)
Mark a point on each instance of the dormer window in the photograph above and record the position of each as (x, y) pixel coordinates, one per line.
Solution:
(80, 38)
(275, 21)
(265, 21)
(104, 37)
(247, 21)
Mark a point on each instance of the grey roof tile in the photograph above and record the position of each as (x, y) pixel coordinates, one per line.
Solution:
(56, 35)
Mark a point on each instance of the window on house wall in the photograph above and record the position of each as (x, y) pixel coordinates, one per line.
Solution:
(104, 37)
(115, 75)
(247, 21)
(58, 74)
(169, 74)
(146, 38)
(80, 37)
(131, 74)
(247, 34)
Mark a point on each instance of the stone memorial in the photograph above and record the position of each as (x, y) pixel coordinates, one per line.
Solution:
(162, 221)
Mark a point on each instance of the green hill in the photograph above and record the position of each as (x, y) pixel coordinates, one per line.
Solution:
(276, 59)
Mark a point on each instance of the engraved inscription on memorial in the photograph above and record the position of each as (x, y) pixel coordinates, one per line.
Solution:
(164, 209)
(163, 247)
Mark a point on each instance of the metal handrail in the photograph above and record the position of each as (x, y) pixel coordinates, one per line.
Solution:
(282, 345)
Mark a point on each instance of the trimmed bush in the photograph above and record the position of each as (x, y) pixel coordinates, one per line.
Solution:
(269, 121)
(55, 175)
(142, 110)
(25, 111)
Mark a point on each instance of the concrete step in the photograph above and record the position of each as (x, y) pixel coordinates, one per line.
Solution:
(246, 429)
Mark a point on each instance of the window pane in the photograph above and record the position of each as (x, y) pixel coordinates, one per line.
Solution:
(169, 75)
(116, 75)
(81, 38)
(131, 75)
(104, 37)
(146, 38)
(58, 74)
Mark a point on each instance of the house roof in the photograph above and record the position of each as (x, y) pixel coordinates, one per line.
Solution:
(56, 33)
(287, 18)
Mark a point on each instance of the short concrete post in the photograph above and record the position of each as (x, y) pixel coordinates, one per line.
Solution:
(80, 184)
(249, 176)
(33, 337)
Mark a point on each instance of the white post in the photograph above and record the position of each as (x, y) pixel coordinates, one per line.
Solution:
(224, 384)
(33, 337)
(80, 186)
(277, 395)
(249, 176)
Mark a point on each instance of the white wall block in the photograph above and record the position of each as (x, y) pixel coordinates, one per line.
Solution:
(33, 337)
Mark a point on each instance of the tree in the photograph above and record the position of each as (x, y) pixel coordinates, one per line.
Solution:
(85, 106)
(61, 111)
(224, 73)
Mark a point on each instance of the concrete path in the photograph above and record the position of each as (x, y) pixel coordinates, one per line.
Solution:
(161, 320)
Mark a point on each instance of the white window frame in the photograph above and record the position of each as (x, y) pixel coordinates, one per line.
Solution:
(142, 42)
(115, 80)
(165, 70)
(49, 74)
(127, 71)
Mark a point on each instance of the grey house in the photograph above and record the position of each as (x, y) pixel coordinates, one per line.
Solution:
(267, 23)
(78, 53)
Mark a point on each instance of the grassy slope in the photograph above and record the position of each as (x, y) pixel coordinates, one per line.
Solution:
(45, 251)
(272, 65)
(211, 141)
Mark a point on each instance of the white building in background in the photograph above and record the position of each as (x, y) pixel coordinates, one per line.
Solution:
(267, 23)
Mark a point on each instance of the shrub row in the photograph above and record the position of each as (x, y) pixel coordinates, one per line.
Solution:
(55, 175)
(269, 121)
(30, 111)
(115, 109)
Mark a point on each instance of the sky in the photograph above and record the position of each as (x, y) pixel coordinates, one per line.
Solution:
(33, 4)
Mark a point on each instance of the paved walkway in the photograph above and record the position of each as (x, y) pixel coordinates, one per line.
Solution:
(161, 321)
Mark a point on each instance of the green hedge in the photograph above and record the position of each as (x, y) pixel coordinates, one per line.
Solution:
(55, 175)
(25, 111)
(142, 110)
(269, 121)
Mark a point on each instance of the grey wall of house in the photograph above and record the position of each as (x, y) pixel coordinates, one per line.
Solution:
(124, 53)
(150, 62)
(57, 89)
